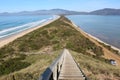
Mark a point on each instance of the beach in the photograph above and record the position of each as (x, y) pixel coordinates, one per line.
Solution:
(11, 38)
(97, 39)
(107, 53)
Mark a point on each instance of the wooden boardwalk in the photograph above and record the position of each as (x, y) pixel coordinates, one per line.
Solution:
(63, 68)
(70, 70)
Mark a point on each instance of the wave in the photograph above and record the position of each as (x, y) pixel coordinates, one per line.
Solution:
(14, 30)
(10, 29)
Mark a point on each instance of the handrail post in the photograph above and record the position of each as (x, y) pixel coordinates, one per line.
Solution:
(55, 73)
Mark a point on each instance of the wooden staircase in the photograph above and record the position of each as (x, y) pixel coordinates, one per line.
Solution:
(63, 68)
(69, 70)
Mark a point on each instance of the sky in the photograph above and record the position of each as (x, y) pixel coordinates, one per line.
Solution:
(75, 5)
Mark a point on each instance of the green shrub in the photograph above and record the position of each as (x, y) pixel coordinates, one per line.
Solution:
(12, 65)
(58, 34)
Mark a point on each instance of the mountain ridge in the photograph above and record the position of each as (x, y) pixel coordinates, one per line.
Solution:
(44, 12)
(105, 11)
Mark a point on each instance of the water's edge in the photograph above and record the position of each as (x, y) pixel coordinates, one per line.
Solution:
(97, 39)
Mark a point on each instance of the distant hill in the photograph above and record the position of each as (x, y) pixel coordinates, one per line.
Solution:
(106, 11)
(45, 12)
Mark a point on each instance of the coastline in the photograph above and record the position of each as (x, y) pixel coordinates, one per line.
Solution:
(11, 38)
(97, 39)
(107, 53)
(113, 47)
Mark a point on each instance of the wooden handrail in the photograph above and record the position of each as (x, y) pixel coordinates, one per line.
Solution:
(52, 72)
(55, 70)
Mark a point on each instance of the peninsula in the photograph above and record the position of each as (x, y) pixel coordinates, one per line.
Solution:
(32, 51)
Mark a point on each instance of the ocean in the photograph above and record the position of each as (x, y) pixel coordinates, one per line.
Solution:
(10, 25)
(106, 28)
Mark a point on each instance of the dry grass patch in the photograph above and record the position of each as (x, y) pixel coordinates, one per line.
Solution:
(39, 62)
(96, 69)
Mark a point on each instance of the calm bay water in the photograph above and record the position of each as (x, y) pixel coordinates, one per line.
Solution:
(13, 24)
(106, 28)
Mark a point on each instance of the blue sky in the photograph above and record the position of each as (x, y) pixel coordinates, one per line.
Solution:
(76, 5)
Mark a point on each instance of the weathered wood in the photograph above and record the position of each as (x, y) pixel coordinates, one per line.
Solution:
(69, 69)
(63, 68)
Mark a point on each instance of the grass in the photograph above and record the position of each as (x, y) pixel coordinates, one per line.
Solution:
(60, 34)
(57, 35)
(96, 69)
(12, 65)
(39, 62)
(110, 48)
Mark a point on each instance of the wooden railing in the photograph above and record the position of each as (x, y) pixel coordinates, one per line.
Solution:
(53, 71)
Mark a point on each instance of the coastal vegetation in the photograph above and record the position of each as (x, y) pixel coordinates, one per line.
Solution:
(12, 65)
(31, 54)
(110, 48)
(59, 34)
(96, 69)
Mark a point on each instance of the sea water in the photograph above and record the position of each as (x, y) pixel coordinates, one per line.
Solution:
(106, 28)
(10, 25)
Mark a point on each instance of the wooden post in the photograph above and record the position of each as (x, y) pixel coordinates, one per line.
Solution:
(55, 73)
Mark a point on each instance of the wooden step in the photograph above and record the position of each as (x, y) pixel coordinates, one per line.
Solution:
(70, 70)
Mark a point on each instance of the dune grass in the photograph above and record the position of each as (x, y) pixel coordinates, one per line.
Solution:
(39, 62)
(58, 35)
(96, 69)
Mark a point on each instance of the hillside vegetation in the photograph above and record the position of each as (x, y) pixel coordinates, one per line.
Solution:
(96, 69)
(32, 53)
(59, 34)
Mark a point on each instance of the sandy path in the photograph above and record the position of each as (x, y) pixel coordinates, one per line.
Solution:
(107, 54)
(7, 40)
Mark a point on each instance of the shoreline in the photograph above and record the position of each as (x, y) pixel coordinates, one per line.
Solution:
(7, 40)
(97, 39)
(113, 47)
(107, 53)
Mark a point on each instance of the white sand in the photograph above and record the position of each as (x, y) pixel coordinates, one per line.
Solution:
(9, 39)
